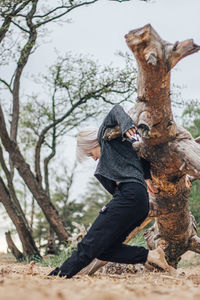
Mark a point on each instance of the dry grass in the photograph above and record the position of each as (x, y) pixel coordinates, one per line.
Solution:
(22, 282)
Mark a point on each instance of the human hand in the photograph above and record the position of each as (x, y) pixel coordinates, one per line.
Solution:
(131, 132)
(150, 187)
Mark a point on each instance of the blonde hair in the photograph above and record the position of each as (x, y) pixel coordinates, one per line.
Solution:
(86, 140)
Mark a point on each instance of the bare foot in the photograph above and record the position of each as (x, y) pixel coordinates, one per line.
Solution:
(157, 257)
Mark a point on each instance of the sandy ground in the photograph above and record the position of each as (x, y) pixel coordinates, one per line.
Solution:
(22, 282)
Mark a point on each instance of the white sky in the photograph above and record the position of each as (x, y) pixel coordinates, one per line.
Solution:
(99, 30)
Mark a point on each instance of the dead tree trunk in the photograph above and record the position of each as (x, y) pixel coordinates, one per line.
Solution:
(171, 150)
(14, 250)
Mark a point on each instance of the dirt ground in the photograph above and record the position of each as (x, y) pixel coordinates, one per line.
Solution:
(22, 282)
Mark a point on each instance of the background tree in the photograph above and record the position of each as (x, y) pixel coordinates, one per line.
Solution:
(22, 22)
(94, 199)
(83, 211)
(77, 87)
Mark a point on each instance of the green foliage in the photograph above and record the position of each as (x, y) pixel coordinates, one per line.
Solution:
(55, 260)
(138, 240)
(191, 117)
(83, 212)
(78, 88)
(189, 263)
(194, 201)
(95, 198)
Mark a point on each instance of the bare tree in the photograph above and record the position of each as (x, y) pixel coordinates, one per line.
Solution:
(78, 86)
(27, 18)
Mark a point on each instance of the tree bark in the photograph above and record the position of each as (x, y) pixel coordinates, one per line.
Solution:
(32, 213)
(11, 245)
(24, 55)
(8, 17)
(171, 150)
(29, 247)
(15, 212)
(11, 189)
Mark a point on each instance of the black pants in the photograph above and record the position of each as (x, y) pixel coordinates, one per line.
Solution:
(127, 210)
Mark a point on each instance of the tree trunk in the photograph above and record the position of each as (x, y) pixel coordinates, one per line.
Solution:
(28, 244)
(34, 186)
(32, 213)
(171, 150)
(15, 251)
(51, 244)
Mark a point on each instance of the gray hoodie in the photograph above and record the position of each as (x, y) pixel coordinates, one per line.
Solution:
(119, 160)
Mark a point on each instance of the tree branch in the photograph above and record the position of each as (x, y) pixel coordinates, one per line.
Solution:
(44, 132)
(26, 51)
(53, 147)
(20, 27)
(187, 153)
(69, 185)
(51, 12)
(6, 84)
(181, 50)
(24, 55)
(39, 145)
(8, 18)
(64, 13)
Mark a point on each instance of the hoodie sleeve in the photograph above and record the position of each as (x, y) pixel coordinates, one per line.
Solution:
(117, 116)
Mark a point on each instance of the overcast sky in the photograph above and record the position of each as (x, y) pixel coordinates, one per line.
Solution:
(99, 30)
